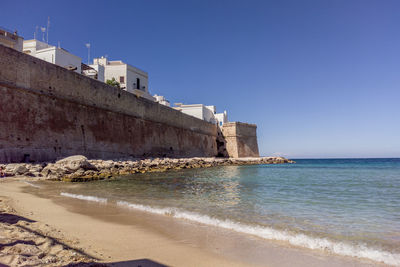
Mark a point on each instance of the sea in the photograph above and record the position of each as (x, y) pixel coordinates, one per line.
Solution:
(349, 207)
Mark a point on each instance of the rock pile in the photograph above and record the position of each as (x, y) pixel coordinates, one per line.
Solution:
(80, 169)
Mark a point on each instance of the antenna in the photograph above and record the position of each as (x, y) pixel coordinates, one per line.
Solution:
(88, 57)
(59, 46)
(48, 27)
(35, 33)
(43, 29)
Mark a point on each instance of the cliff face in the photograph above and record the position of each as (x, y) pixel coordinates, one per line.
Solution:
(49, 112)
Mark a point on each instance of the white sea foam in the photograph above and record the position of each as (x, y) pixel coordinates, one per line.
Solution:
(302, 240)
(87, 198)
(33, 185)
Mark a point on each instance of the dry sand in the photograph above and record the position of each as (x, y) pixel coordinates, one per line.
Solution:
(25, 242)
(37, 231)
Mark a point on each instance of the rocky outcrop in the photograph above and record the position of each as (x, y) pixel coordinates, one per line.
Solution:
(16, 169)
(77, 165)
(80, 169)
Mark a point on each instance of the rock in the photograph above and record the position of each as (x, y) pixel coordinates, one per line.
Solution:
(107, 164)
(34, 170)
(53, 171)
(79, 168)
(74, 163)
(16, 169)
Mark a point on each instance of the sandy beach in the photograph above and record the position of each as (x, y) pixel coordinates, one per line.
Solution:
(43, 232)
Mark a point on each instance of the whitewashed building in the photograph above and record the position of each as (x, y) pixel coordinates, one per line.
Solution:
(131, 79)
(221, 118)
(207, 113)
(161, 100)
(93, 71)
(52, 54)
(10, 39)
(31, 46)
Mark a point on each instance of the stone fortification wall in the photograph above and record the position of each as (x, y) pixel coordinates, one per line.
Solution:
(47, 112)
(240, 139)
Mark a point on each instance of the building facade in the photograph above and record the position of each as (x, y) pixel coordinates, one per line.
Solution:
(207, 113)
(199, 111)
(52, 54)
(94, 71)
(131, 79)
(222, 118)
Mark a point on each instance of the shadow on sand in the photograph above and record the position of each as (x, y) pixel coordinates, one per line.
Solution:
(14, 219)
(131, 263)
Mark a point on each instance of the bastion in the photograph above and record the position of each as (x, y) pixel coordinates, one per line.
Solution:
(48, 112)
(240, 139)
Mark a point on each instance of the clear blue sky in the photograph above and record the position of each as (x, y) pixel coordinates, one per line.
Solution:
(319, 78)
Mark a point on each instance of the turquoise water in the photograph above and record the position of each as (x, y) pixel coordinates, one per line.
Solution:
(344, 206)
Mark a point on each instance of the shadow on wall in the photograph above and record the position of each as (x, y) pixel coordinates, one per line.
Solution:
(221, 145)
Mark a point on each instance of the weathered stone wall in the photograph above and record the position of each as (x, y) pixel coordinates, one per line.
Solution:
(47, 112)
(240, 139)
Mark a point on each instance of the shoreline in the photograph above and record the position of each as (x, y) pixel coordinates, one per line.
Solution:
(117, 243)
(80, 169)
(183, 245)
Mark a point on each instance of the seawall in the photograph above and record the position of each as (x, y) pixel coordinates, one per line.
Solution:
(48, 112)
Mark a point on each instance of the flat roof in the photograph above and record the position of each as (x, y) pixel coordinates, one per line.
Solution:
(55, 48)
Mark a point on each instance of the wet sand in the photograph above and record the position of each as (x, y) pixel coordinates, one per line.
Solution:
(95, 232)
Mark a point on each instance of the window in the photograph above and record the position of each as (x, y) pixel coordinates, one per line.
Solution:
(220, 123)
(137, 83)
(121, 79)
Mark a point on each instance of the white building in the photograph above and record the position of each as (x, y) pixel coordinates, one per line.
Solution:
(162, 100)
(207, 113)
(221, 118)
(131, 79)
(31, 46)
(12, 40)
(52, 54)
(93, 71)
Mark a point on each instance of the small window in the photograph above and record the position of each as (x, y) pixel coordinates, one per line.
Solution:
(220, 123)
(121, 79)
(137, 83)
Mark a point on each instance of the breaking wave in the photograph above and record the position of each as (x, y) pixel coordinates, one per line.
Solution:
(33, 185)
(87, 198)
(302, 240)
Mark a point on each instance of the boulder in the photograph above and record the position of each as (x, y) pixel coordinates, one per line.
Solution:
(53, 171)
(16, 169)
(74, 163)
